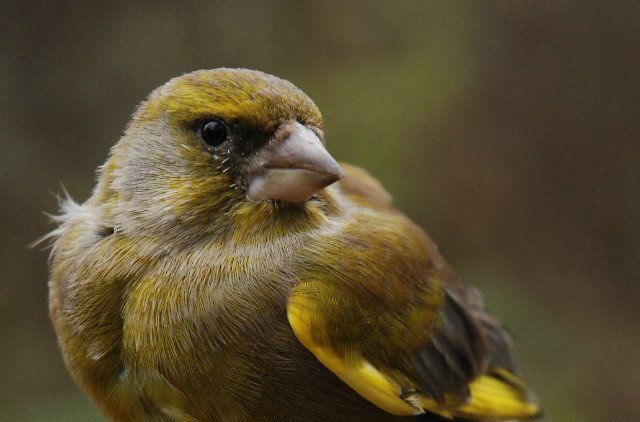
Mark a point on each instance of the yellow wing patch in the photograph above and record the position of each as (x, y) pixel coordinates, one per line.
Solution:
(503, 395)
(497, 396)
(362, 376)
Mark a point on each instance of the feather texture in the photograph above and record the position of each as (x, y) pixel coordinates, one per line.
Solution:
(175, 297)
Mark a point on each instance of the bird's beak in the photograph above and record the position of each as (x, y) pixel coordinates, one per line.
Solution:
(293, 167)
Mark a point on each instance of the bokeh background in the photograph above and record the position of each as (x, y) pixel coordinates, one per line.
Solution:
(510, 130)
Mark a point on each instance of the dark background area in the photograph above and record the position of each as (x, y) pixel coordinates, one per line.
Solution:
(509, 130)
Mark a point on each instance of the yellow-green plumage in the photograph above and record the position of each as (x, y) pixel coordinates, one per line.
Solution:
(175, 297)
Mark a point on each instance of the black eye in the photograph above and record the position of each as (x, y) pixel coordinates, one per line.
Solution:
(214, 132)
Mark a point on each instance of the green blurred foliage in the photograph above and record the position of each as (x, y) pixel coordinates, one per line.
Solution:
(509, 130)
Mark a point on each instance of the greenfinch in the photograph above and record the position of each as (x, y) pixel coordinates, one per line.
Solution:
(227, 268)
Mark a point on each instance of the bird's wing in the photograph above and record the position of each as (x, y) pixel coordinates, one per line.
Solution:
(378, 306)
(442, 377)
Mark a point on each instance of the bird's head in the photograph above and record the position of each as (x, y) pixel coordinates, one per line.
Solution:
(214, 144)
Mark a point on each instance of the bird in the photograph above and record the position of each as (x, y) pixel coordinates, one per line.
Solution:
(227, 268)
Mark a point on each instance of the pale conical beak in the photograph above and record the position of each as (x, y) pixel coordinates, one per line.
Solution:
(292, 169)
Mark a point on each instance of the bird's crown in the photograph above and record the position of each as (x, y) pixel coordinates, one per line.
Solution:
(253, 97)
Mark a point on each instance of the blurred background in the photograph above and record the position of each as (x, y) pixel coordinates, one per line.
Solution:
(509, 130)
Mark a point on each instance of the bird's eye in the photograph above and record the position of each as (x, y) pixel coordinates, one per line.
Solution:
(214, 132)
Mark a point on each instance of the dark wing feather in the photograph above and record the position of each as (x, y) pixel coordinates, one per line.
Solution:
(456, 354)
